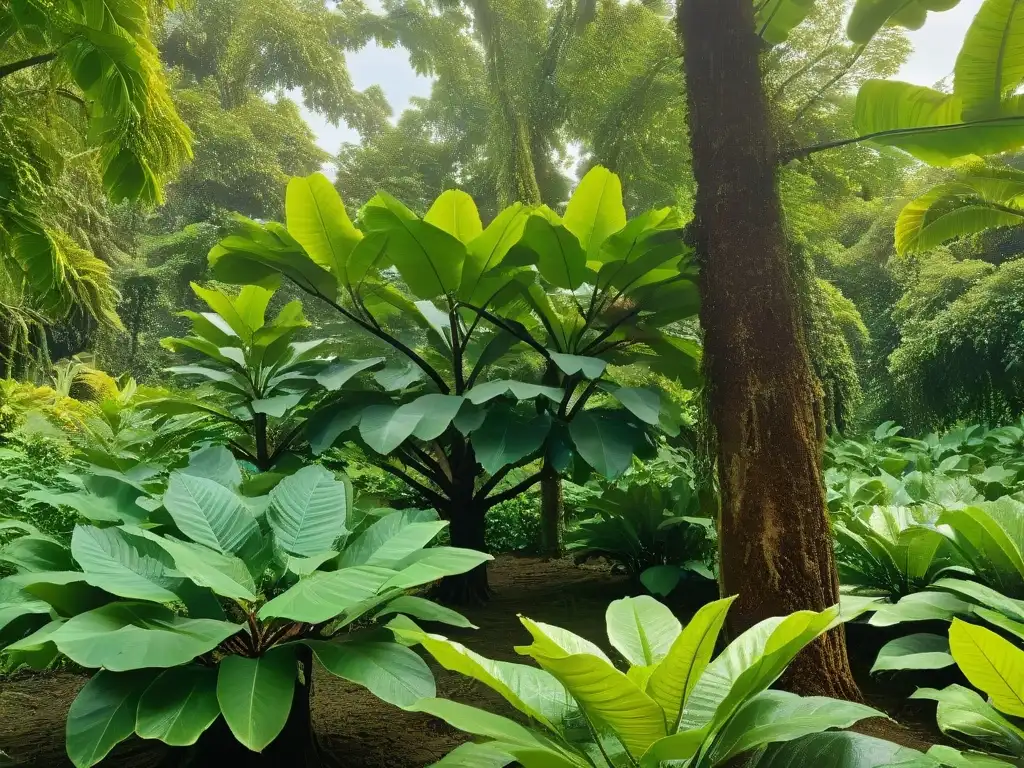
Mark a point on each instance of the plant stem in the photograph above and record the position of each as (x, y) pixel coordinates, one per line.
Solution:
(32, 61)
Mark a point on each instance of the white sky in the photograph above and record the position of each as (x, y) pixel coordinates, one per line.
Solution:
(935, 49)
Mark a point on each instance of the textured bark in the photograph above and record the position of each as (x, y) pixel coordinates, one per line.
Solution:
(776, 546)
(552, 515)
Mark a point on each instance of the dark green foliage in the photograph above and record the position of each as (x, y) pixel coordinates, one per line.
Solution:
(514, 525)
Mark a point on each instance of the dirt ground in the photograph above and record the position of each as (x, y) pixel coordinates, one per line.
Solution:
(358, 731)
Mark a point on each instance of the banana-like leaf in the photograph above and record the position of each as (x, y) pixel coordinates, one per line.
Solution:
(326, 594)
(208, 513)
(125, 566)
(317, 219)
(103, 714)
(869, 16)
(255, 695)
(921, 606)
(962, 712)
(455, 213)
(308, 511)
(642, 629)
(990, 66)
(775, 19)
(841, 750)
(595, 211)
(435, 563)
(991, 663)
(178, 706)
(421, 608)
(606, 440)
(509, 435)
(918, 651)
(390, 671)
(392, 538)
(560, 258)
(486, 251)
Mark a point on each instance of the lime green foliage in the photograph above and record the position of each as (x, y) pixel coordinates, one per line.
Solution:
(673, 702)
(262, 378)
(261, 595)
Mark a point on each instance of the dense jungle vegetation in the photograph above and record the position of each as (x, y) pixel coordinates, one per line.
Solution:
(649, 393)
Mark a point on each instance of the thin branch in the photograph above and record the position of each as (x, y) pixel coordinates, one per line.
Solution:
(992, 122)
(433, 469)
(610, 330)
(495, 320)
(515, 490)
(429, 495)
(587, 394)
(32, 61)
(843, 72)
(502, 473)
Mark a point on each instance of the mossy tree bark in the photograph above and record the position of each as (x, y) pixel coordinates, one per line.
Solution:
(776, 546)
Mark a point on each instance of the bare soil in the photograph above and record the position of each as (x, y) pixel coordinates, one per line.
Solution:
(358, 731)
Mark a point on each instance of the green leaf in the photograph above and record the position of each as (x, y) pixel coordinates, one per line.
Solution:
(317, 219)
(325, 595)
(520, 390)
(123, 565)
(179, 706)
(841, 750)
(920, 606)
(509, 435)
(277, 406)
(608, 696)
(436, 563)
(67, 592)
(560, 258)
(436, 413)
(920, 651)
(595, 210)
(983, 595)
(391, 539)
(674, 679)
(642, 402)
(589, 367)
(775, 19)
(641, 629)
(308, 510)
(215, 463)
(888, 105)
(37, 553)
(990, 66)
(778, 716)
(992, 664)
(255, 695)
(208, 513)
(385, 427)
(339, 373)
(428, 259)
(869, 16)
(390, 671)
(605, 440)
(962, 711)
(534, 692)
(487, 250)
(103, 714)
(125, 636)
(424, 609)
(455, 213)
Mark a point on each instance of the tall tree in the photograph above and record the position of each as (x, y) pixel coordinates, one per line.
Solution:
(776, 547)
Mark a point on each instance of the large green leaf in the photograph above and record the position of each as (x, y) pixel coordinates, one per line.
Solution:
(675, 678)
(509, 435)
(125, 636)
(391, 672)
(869, 16)
(103, 714)
(959, 208)
(775, 19)
(889, 105)
(962, 711)
(777, 716)
(37, 553)
(920, 606)
(255, 695)
(208, 513)
(392, 538)
(317, 219)
(607, 695)
(841, 750)
(325, 595)
(215, 463)
(435, 563)
(520, 390)
(560, 258)
(308, 511)
(421, 608)
(436, 413)
(455, 213)
(595, 210)
(67, 592)
(487, 251)
(534, 692)
(428, 259)
(641, 629)
(918, 651)
(990, 66)
(178, 706)
(605, 440)
(385, 427)
(124, 565)
(588, 367)
(992, 664)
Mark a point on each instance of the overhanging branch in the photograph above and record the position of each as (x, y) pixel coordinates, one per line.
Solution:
(515, 490)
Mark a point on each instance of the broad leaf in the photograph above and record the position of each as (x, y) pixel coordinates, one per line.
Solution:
(390, 671)
(605, 440)
(919, 651)
(775, 19)
(869, 16)
(963, 712)
(208, 513)
(124, 565)
(435, 563)
(992, 664)
(841, 750)
(326, 594)
(641, 629)
(392, 538)
(317, 219)
(487, 251)
(255, 695)
(595, 210)
(589, 367)
(103, 714)
(560, 258)
(421, 608)
(308, 511)
(920, 606)
(520, 390)
(179, 705)
(509, 435)
(455, 213)
(990, 66)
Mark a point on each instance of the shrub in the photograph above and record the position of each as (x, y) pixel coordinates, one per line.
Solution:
(265, 584)
(514, 525)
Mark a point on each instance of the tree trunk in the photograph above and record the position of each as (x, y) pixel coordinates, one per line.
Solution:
(776, 545)
(552, 514)
(466, 527)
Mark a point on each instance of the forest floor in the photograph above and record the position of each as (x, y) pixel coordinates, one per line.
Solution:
(358, 731)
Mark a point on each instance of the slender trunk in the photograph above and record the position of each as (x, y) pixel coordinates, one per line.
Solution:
(262, 447)
(552, 514)
(467, 525)
(776, 546)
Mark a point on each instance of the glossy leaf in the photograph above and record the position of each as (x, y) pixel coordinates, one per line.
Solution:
(124, 565)
(326, 594)
(424, 609)
(103, 714)
(317, 219)
(641, 629)
(392, 538)
(455, 213)
(178, 706)
(605, 440)
(990, 66)
(992, 664)
(308, 511)
(255, 695)
(919, 651)
(595, 210)
(391, 672)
